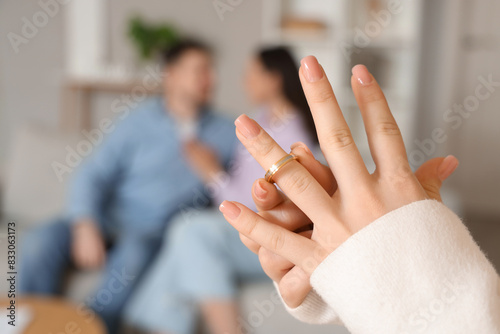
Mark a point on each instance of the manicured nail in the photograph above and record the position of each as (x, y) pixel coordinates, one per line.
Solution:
(301, 145)
(260, 192)
(361, 73)
(447, 167)
(312, 70)
(229, 209)
(247, 126)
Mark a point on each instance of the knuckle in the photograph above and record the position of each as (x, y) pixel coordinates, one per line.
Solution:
(388, 128)
(372, 96)
(250, 227)
(402, 179)
(277, 240)
(288, 216)
(338, 139)
(265, 145)
(322, 96)
(432, 190)
(265, 259)
(296, 180)
(250, 244)
(403, 170)
(292, 286)
(286, 290)
(268, 261)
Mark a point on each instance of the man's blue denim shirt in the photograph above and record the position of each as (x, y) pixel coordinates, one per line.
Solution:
(137, 179)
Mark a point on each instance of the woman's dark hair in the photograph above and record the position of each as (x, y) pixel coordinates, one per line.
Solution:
(280, 61)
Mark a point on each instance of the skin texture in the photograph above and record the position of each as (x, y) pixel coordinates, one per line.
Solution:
(340, 206)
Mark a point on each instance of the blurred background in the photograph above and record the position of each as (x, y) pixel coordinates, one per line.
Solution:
(64, 68)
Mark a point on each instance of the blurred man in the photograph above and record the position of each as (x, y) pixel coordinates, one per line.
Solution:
(127, 191)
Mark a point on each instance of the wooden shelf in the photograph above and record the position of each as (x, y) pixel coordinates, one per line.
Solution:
(77, 93)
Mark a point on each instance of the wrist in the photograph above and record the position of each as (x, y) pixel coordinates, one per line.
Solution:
(85, 225)
(430, 247)
(213, 173)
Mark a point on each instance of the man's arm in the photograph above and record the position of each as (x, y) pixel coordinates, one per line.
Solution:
(94, 179)
(91, 185)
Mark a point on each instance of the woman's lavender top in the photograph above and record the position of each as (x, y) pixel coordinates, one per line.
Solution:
(237, 185)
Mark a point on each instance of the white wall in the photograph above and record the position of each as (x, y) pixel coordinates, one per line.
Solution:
(234, 38)
(84, 59)
(462, 43)
(30, 80)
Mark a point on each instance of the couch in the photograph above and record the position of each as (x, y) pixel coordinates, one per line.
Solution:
(32, 193)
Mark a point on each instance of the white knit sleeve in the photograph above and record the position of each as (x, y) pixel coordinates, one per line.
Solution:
(415, 270)
(313, 310)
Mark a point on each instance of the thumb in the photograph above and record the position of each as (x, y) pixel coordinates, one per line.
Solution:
(433, 172)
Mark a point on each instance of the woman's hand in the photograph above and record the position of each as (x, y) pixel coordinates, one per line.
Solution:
(360, 198)
(274, 206)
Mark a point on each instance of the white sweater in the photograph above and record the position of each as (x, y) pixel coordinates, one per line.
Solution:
(414, 270)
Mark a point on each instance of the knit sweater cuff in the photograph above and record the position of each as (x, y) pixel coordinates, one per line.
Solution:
(416, 269)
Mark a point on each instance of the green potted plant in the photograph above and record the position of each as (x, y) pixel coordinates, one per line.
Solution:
(150, 38)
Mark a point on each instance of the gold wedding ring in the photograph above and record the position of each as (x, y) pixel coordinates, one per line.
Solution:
(276, 166)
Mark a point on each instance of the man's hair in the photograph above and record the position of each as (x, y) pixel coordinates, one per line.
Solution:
(176, 51)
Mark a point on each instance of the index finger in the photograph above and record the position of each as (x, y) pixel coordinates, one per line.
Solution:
(295, 181)
(297, 249)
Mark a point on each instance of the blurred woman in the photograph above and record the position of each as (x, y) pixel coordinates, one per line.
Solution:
(203, 260)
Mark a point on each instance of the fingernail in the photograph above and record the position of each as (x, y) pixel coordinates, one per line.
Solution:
(447, 167)
(312, 70)
(230, 210)
(260, 192)
(361, 73)
(301, 145)
(247, 126)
